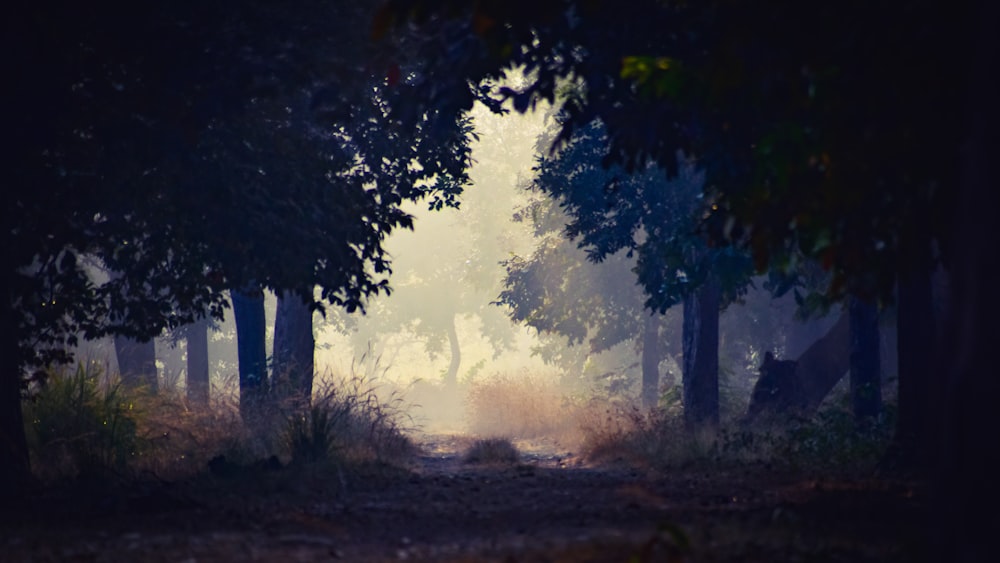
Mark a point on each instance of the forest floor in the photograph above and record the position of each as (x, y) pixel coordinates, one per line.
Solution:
(549, 507)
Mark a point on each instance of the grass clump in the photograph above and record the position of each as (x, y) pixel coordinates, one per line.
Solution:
(347, 421)
(81, 423)
(490, 451)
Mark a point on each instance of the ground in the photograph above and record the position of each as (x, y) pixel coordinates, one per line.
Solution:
(550, 506)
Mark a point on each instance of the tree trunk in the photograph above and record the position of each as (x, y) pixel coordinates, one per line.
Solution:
(15, 467)
(651, 361)
(197, 363)
(866, 381)
(248, 312)
(825, 363)
(965, 492)
(451, 378)
(915, 343)
(701, 356)
(137, 363)
(294, 347)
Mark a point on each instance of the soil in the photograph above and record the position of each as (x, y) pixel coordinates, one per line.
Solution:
(549, 507)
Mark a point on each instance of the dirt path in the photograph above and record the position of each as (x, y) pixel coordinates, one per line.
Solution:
(549, 507)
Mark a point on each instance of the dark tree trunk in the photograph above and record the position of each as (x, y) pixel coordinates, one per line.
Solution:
(701, 356)
(915, 344)
(451, 378)
(888, 345)
(197, 363)
(15, 468)
(825, 363)
(137, 363)
(248, 312)
(651, 361)
(966, 456)
(294, 347)
(866, 381)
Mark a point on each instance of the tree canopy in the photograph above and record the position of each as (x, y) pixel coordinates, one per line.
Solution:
(830, 131)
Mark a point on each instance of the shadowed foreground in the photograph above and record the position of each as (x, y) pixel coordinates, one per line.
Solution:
(549, 507)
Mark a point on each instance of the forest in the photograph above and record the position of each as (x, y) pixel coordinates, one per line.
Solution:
(499, 281)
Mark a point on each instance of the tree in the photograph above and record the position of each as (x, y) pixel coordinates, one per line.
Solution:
(293, 364)
(640, 212)
(179, 145)
(198, 384)
(556, 290)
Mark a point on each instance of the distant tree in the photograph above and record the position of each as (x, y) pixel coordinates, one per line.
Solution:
(448, 269)
(558, 291)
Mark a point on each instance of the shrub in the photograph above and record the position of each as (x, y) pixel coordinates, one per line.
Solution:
(80, 423)
(492, 451)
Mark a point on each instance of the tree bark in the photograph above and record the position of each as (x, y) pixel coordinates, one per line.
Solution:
(651, 361)
(866, 380)
(451, 378)
(915, 342)
(825, 363)
(197, 363)
(15, 466)
(701, 356)
(137, 363)
(248, 312)
(965, 492)
(294, 347)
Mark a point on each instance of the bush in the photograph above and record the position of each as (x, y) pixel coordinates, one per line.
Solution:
(492, 451)
(80, 423)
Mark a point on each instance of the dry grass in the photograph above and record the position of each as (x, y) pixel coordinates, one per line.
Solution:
(84, 422)
(520, 407)
(489, 451)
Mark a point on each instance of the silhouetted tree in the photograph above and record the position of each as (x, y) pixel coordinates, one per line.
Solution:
(197, 148)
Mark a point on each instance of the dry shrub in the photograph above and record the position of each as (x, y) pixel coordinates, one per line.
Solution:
(521, 407)
(619, 431)
(182, 438)
(492, 451)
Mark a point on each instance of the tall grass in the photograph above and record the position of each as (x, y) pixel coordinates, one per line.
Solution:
(79, 422)
(348, 421)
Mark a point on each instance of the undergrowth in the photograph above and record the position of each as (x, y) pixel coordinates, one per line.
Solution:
(830, 441)
(347, 420)
(83, 422)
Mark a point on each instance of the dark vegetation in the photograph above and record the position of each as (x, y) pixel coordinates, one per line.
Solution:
(173, 163)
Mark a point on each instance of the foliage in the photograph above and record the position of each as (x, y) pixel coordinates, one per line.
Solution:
(639, 211)
(817, 130)
(82, 423)
(198, 148)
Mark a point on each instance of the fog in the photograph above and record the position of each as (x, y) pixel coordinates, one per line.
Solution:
(441, 333)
